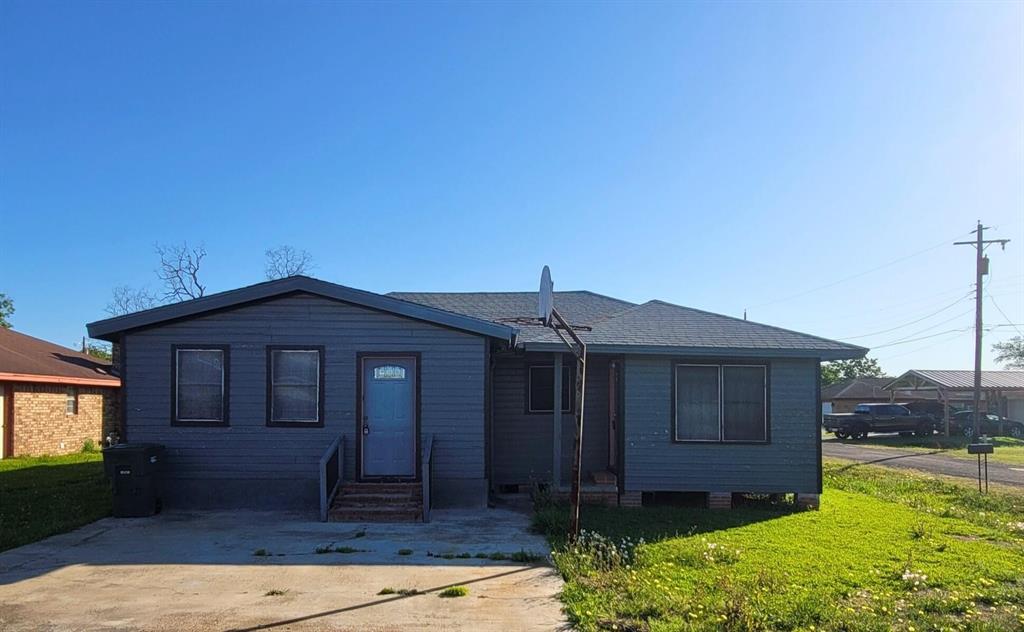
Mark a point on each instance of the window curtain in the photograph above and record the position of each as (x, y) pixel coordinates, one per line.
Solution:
(697, 404)
(743, 409)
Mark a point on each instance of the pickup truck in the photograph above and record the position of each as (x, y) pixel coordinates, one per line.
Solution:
(867, 418)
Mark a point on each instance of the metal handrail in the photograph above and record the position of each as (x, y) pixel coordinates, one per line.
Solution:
(335, 452)
(426, 464)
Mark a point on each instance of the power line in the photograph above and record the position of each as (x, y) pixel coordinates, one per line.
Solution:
(993, 299)
(925, 347)
(903, 342)
(913, 322)
(858, 275)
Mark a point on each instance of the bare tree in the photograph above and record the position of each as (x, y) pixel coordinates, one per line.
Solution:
(285, 261)
(179, 271)
(128, 299)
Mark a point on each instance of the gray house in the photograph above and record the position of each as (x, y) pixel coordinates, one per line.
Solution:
(301, 393)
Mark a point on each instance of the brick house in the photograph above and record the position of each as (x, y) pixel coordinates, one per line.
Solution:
(52, 399)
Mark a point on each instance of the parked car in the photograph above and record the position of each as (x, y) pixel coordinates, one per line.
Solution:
(927, 407)
(867, 418)
(991, 425)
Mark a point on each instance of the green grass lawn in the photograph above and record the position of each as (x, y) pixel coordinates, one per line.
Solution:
(1007, 449)
(887, 551)
(43, 496)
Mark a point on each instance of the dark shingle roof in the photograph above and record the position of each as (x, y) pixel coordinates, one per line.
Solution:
(23, 356)
(609, 324)
(857, 388)
(109, 328)
(577, 306)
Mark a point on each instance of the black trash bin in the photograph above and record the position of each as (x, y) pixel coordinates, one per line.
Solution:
(134, 471)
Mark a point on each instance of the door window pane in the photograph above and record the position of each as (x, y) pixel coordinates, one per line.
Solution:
(697, 409)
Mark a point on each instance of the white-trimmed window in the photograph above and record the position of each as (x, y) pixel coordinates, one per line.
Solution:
(200, 385)
(540, 396)
(294, 390)
(71, 400)
(721, 403)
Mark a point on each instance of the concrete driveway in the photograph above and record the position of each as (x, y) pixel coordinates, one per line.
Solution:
(198, 571)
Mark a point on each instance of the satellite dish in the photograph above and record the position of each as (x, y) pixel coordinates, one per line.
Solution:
(545, 298)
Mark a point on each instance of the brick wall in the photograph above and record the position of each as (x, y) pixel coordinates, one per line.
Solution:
(42, 424)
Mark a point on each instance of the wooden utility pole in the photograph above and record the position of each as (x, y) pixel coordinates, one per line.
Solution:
(981, 269)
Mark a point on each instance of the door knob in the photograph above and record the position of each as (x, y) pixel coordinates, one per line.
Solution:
(366, 429)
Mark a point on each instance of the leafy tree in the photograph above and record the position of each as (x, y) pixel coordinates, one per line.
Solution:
(1010, 353)
(6, 310)
(285, 261)
(832, 372)
(99, 351)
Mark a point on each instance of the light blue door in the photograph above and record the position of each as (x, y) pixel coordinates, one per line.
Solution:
(389, 416)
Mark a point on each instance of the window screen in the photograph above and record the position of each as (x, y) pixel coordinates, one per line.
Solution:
(542, 389)
(200, 385)
(743, 403)
(721, 402)
(697, 403)
(295, 385)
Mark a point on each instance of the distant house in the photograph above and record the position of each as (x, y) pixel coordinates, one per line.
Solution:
(462, 395)
(1002, 392)
(843, 396)
(52, 399)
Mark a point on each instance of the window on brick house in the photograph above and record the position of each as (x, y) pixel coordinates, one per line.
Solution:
(71, 400)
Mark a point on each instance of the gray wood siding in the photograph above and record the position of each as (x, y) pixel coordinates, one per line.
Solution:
(522, 448)
(654, 463)
(451, 396)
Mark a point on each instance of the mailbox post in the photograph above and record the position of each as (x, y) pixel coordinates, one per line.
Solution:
(981, 449)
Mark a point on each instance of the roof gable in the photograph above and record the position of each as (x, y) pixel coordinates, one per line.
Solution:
(109, 328)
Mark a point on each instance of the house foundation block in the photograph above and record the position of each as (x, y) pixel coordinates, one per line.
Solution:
(719, 500)
(808, 501)
(631, 499)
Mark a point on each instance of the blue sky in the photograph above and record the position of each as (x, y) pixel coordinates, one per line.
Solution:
(723, 156)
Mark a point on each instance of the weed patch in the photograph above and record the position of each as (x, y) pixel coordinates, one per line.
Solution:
(454, 591)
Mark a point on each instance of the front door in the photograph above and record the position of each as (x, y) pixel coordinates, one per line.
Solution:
(389, 416)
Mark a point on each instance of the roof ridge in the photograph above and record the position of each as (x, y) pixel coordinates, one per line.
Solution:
(753, 322)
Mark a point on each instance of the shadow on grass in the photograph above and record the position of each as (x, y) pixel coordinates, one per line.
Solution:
(657, 522)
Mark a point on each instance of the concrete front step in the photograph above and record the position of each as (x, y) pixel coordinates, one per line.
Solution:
(381, 488)
(393, 497)
(375, 514)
